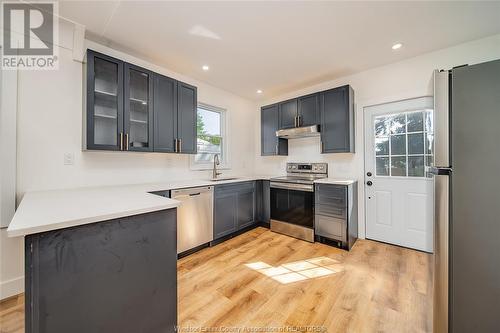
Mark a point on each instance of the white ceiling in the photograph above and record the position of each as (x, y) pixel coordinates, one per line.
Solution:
(280, 46)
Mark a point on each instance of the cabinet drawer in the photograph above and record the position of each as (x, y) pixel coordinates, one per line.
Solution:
(339, 211)
(328, 194)
(330, 227)
(235, 187)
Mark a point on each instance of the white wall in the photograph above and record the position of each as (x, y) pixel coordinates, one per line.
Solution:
(402, 80)
(49, 116)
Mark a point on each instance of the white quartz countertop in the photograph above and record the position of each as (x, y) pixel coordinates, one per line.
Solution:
(41, 211)
(335, 181)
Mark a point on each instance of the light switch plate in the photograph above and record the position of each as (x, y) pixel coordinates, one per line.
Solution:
(69, 159)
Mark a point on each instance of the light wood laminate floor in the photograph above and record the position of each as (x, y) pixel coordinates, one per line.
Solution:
(266, 280)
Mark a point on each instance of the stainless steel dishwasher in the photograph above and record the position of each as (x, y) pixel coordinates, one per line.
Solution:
(194, 217)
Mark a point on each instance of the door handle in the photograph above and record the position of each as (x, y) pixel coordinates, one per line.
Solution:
(369, 183)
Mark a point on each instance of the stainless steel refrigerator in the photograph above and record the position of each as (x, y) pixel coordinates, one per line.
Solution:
(467, 194)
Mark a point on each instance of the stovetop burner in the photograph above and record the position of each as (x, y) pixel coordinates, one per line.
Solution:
(303, 173)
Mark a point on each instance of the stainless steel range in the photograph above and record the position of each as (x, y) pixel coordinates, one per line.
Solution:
(292, 199)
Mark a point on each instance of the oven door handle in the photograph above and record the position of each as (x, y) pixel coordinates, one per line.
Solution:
(293, 187)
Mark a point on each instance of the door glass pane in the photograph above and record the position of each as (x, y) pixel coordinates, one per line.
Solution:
(429, 160)
(139, 106)
(398, 144)
(382, 126)
(416, 166)
(415, 121)
(398, 166)
(398, 124)
(105, 102)
(382, 146)
(429, 121)
(403, 143)
(382, 168)
(415, 143)
(429, 144)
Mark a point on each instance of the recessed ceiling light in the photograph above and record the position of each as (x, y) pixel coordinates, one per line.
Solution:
(397, 46)
(205, 67)
(259, 91)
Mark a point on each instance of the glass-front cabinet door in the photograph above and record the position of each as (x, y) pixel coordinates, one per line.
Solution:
(104, 102)
(138, 116)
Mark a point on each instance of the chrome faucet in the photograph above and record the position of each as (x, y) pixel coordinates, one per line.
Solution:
(216, 163)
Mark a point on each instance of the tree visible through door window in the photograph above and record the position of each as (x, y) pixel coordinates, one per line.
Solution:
(210, 128)
(404, 143)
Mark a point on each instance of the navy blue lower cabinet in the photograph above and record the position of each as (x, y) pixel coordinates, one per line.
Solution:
(336, 214)
(225, 213)
(113, 276)
(262, 204)
(234, 208)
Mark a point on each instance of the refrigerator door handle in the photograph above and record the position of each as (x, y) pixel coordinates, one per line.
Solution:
(440, 171)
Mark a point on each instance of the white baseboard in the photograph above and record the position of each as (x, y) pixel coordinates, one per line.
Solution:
(11, 287)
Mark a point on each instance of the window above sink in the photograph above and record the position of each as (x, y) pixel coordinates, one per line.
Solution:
(211, 129)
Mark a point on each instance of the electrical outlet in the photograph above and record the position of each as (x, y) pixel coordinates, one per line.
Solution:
(69, 159)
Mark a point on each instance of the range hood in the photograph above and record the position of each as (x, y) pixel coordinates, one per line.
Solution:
(298, 132)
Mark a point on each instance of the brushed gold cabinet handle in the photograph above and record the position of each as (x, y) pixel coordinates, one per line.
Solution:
(175, 145)
(180, 145)
(121, 140)
(126, 138)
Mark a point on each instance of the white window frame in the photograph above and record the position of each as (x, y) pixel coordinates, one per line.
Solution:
(225, 158)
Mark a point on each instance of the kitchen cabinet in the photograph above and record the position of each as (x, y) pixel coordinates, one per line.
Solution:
(269, 124)
(337, 120)
(85, 278)
(175, 105)
(335, 218)
(104, 119)
(186, 118)
(234, 208)
(165, 114)
(138, 108)
(263, 201)
(308, 112)
(288, 114)
(332, 109)
(298, 112)
(133, 109)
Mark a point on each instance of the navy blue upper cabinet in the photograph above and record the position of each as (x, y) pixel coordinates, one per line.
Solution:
(302, 111)
(132, 108)
(288, 114)
(337, 120)
(269, 124)
(165, 114)
(308, 110)
(104, 118)
(138, 106)
(186, 118)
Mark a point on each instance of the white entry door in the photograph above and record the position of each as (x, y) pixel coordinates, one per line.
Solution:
(399, 195)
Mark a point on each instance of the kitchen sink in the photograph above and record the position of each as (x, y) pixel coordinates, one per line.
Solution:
(223, 179)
